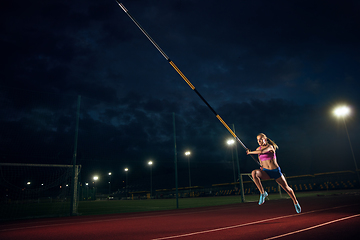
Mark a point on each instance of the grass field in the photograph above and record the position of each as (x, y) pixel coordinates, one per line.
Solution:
(123, 206)
(57, 209)
(33, 210)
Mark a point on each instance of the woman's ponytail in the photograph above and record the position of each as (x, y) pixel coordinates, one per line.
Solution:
(271, 142)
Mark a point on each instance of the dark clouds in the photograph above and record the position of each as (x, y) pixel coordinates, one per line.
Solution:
(273, 67)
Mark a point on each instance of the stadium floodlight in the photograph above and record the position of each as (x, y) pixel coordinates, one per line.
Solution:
(187, 153)
(109, 182)
(126, 184)
(230, 142)
(342, 111)
(95, 179)
(150, 164)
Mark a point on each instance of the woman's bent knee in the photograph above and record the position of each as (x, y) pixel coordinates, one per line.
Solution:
(254, 173)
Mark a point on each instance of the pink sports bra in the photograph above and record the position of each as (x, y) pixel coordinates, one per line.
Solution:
(267, 156)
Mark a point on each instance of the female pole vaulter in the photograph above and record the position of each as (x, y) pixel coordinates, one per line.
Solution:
(269, 169)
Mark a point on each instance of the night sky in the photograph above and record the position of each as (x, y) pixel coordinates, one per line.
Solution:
(277, 67)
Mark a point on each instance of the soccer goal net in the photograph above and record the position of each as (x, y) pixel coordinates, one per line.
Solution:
(38, 190)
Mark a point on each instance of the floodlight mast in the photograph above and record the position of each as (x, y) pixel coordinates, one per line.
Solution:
(183, 76)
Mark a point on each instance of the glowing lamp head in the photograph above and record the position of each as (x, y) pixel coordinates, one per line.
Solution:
(150, 163)
(342, 111)
(187, 153)
(126, 169)
(96, 178)
(230, 142)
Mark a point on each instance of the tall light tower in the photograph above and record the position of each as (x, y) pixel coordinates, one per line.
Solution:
(187, 153)
(109, 182)
(150, 164)
(87, 190)
(241, 185)
(231, 142)
(342, 112)
(95, 179)
(126, 184)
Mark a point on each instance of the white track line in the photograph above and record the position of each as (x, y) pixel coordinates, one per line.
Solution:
(220, 229)
(316, 226)
(246, 224)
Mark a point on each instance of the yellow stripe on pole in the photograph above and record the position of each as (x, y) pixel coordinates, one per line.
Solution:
(227, 127)
(182, 75)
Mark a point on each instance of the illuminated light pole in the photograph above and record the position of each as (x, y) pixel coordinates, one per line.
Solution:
(342, 112)
(150, 164)
(126, 184)
(231, 142)
(109, 182)
(87, 190)
(187, 153)
(95, 179)
(241, 185)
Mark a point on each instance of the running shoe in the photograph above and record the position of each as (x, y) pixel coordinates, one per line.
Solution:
(297, 208)
(262, 197)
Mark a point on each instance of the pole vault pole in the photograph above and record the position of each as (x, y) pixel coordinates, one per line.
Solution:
(183, 76)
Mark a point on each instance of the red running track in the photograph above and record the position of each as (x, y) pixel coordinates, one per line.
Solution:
(330, 217)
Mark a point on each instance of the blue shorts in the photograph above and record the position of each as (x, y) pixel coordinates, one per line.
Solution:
(275, 173)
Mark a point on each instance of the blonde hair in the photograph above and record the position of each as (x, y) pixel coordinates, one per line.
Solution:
(269, 141)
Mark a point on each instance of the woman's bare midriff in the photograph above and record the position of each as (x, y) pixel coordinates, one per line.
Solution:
(270, 164)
